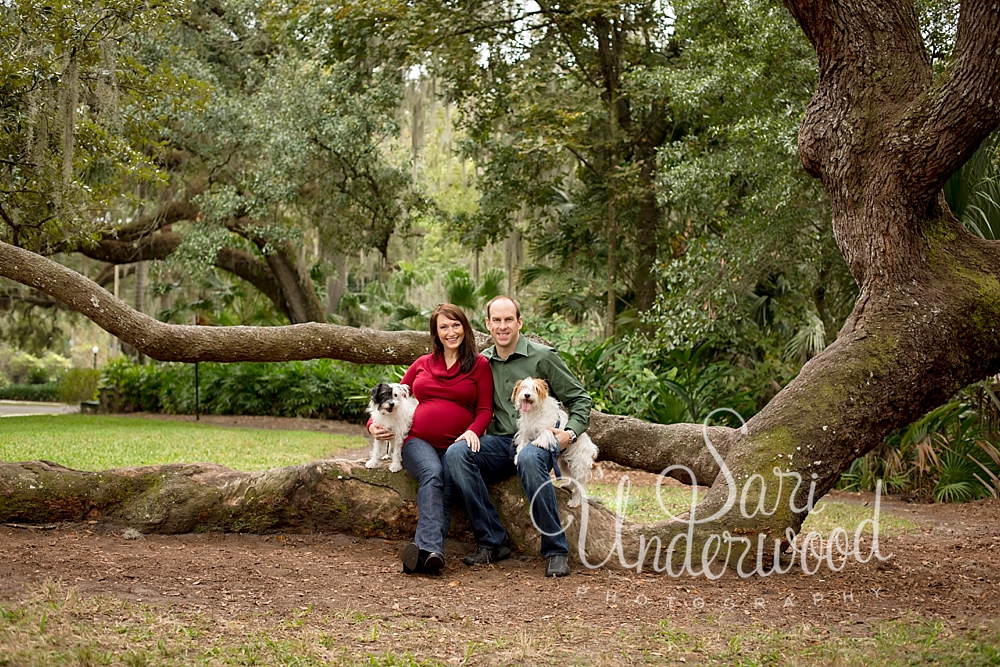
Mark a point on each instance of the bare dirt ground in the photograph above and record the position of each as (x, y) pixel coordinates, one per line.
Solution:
(945, 571)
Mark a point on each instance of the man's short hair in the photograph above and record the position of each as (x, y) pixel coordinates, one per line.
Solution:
(517, 306)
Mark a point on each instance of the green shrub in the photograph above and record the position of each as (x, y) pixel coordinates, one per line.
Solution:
(321, 388)
(139, 385)
(25, 368)
(630, 377)
(79, 384)
(30, 392)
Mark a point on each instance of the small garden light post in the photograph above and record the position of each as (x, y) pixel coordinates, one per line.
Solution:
(95, 350)
(197, 415)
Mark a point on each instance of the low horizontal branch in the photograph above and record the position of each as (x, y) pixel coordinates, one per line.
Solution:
(330, 496)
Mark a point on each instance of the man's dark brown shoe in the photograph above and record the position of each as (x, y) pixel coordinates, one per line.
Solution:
(432, 561)
(487, 555)
(558, 566)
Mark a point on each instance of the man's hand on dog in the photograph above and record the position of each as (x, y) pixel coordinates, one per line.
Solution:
(561, 436)
(380, 432)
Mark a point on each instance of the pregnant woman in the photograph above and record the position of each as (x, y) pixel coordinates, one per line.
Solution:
(455, 388)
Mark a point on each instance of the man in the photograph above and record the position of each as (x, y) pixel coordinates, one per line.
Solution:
(513, 357)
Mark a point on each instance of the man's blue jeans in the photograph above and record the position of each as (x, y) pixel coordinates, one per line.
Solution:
(472, 471)
(434, 497)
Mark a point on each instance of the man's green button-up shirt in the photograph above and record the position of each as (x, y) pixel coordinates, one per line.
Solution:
(530, 359)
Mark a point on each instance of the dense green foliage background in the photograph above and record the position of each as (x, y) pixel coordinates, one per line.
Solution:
(320, 389)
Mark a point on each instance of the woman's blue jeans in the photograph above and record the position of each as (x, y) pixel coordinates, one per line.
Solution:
(434, 498)
(472, 471)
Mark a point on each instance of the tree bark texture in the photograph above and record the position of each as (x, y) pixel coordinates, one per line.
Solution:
(325, 496)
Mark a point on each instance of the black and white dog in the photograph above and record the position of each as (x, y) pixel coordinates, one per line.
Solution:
(391, 406)
(538, 410)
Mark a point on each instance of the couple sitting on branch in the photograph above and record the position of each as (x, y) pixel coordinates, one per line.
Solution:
(463, 435)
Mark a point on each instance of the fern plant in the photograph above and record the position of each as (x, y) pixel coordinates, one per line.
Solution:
(946, 456)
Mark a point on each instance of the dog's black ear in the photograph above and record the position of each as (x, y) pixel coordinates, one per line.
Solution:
(376, 390)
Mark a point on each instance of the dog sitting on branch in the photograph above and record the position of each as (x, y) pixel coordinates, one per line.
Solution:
(391, 406)
(538, 411)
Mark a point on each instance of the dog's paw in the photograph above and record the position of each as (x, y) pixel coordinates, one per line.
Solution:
(395, 466)
(515, 457)
(385, 457)
(371, 463)
(574, 502)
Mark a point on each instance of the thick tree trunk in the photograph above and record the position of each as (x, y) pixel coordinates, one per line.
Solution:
(647, 227)
(644, 136)
(296, 287)
(883, 135)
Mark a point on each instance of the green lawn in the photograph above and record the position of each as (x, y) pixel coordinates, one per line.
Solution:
(642, 506)
(94, 442)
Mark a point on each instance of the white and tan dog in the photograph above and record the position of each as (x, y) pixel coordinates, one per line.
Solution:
(391, 406)
(538, 411)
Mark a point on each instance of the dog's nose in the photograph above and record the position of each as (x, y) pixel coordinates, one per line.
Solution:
(390, 407)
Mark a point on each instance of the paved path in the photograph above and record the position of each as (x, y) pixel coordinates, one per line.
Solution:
(26, 409)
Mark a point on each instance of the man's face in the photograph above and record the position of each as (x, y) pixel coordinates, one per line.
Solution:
(503, 323)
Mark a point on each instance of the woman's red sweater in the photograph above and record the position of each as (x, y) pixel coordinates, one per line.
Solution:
(451, 402)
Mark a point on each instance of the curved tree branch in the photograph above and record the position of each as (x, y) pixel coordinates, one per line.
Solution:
(655, 447)
(168, 342)
(242, 264)
(962, 108)
(168, 214)
(142, 249)
(160, 246)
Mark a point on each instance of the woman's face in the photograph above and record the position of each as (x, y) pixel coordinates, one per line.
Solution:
(450, 333)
